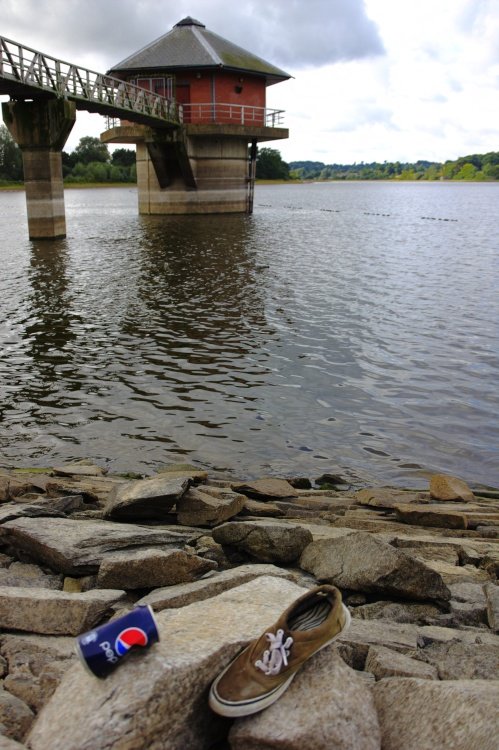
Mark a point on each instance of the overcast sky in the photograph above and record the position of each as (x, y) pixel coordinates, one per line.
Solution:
(373, 80)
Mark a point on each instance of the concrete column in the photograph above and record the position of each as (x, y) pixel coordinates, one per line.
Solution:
(41, 128)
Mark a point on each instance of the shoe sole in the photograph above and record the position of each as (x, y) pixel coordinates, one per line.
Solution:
(246, 708)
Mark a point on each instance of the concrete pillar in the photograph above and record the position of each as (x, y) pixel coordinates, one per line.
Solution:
(41, 128)
(219, 184)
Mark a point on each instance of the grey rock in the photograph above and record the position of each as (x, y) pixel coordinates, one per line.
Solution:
(452, 574)
(82, 468)
(361, 562)
(15, 716)
(361, 635)
(23, 574)
(462, 661)
(267, 488)
(78, 547)
(157, 698)
(326, 706)
(267, 541)
(409, 612)
(209, 506)
(8, 744)
(468, 604)
(428, 634)
(53, 612)
(150, 499)
(138, 569)
(492, 597)
(383, 662)
(36, 664)
(388, 497)
(11, 511)
(5, 560)
(425, 714)
(187, 593)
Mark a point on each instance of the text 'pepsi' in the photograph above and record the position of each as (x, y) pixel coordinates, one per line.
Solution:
(103, 648)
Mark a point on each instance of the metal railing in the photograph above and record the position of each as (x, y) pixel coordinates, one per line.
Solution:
(23, 66)
(231, 114)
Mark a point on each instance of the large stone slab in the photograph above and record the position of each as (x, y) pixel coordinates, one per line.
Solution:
(267, 541)
(149, 568)
(419, 714)
(383, 662)
(53, 612)
(388, 497)
(326, 706)
(430, 515)
(150, 499)
(78, 547)
(157, 699)
(187, 593)
(83, 468)
(361, 562)
(208, 506)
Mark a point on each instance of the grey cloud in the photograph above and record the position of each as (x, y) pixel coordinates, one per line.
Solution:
(291, 33)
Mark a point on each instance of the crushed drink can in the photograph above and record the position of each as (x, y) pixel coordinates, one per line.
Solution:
(102, 649)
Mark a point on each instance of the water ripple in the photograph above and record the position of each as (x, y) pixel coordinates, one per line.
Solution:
(335, 329)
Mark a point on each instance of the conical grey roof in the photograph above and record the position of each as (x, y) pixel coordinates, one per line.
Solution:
(191, 45)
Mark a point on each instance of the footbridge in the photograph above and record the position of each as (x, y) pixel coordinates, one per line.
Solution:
(44, 95)
(26, 73)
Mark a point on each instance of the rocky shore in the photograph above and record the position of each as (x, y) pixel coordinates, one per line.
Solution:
(218, 561)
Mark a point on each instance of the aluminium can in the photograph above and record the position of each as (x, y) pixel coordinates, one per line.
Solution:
(102, 649)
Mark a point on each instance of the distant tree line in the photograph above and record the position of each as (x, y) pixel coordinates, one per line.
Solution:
(477, 167)
(91, 162)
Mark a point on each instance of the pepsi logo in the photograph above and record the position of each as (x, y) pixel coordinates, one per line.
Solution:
(128, 638)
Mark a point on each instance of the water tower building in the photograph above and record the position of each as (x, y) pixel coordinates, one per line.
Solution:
(207, 163)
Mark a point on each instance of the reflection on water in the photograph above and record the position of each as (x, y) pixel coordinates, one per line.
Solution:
(342, 327)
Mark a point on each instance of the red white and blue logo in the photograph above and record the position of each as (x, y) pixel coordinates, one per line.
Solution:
(128, 638)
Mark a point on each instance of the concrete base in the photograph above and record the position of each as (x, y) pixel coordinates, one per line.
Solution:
(41, 128)
(44, 194)
(220, 170)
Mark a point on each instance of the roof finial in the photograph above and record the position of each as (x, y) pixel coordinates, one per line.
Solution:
(189, 21)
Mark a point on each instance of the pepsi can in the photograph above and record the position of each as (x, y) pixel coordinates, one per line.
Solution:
(102, 649)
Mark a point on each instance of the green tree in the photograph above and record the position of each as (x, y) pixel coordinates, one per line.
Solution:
(91, 149)
(11, 161)
(123, 157)
(467, 172)
(270, 166)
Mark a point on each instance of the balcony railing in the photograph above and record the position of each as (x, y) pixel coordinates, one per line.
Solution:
(230, 114)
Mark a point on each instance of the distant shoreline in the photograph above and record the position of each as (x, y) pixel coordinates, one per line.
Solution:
(16, 187)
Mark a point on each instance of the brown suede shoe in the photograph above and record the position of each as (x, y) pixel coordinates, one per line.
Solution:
(261, 673)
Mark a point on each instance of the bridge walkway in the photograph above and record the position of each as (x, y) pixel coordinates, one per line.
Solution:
(26, 73)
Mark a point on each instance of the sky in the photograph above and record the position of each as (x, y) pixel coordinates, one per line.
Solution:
(372, 80)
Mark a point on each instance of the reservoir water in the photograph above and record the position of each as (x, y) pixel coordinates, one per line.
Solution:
(347, 328)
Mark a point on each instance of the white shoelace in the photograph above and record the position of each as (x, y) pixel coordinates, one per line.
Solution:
(276, 656)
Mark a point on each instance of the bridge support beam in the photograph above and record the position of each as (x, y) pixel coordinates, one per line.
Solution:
(41, 128)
